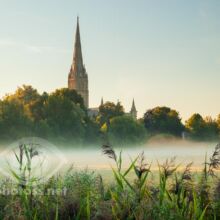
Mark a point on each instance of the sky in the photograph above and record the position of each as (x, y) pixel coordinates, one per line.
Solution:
(159, 52)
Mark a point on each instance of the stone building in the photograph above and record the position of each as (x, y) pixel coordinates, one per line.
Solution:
(133, 111)
(78, 77)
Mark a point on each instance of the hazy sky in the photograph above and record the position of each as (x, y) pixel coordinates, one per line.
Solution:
(160, 52)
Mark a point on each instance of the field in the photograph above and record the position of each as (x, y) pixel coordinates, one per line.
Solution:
(134, 193)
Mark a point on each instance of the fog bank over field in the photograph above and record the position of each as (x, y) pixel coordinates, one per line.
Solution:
(184, 151)
(92, 157)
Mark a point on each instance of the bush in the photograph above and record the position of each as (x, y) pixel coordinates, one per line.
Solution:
(124, 130)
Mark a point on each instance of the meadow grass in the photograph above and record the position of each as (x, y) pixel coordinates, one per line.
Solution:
(135, 193)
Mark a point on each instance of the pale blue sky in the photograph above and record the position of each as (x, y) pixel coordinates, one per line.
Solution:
(160, 52)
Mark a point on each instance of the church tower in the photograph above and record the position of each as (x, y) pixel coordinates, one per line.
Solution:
(133, 111)
(78, 78)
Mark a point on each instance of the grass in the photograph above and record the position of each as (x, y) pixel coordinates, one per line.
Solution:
(83, 195)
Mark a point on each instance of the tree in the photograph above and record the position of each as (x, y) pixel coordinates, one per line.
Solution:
(211, 127)
(14, 122)
(218, 122)
(92, 132)
(202, 129)
(71, 95)
(108, 111)
(163, 120)
(64, 117)
(196, 126)
(125, 130)
(25, 96)
(36, 109)
(88, 130)
(61, 115)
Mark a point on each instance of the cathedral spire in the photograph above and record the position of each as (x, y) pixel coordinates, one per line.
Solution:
(133, 111)
(133, 105)
(78, 78)
(77, 65)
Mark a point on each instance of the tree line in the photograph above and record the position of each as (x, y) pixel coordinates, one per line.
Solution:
(62, 116)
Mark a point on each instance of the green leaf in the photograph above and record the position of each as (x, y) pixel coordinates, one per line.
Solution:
(78, 217)
(145, 176)
(118, 179)
(88, 206)
(15, 174)
(17, 157)
(130, 167)
(26, 152)
(120, 161)
(57, 211)
(203, 213)
(132, 188)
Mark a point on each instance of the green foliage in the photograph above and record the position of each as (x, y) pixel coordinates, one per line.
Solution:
(108, 111)
(163, 120)
(117, 127)
(125, 130)
(14, 123)
(92, 132)
(60, 115)
(64, 117)
(212, 130)
(175, 195)
(180, 199)
(71, 95)
(196, 125)
(218, 121)
(202, 129)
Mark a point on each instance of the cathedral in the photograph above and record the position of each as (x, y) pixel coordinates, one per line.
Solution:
(78, 77)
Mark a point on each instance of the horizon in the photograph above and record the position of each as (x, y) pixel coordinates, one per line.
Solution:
(159, 57)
